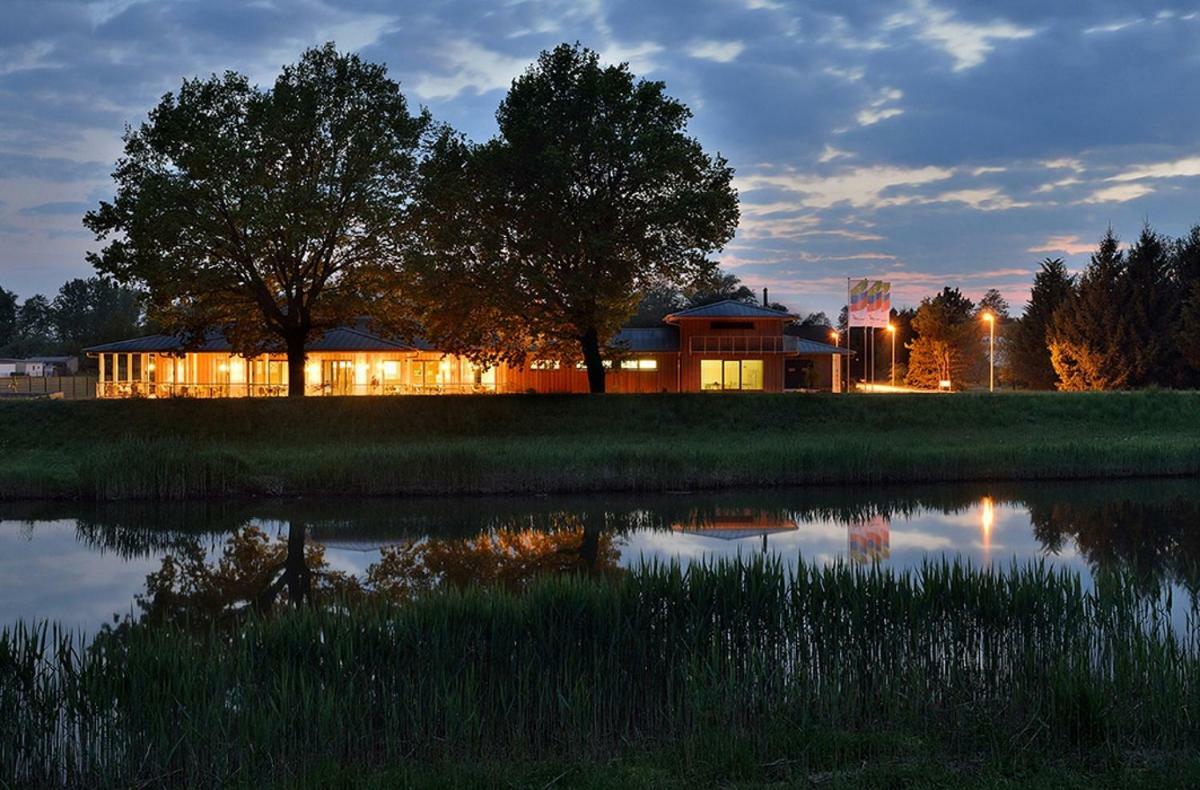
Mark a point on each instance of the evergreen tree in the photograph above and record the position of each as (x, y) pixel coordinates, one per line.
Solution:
(1185, 266)
(1151, 312)
(1028, 357)
(1091, 337)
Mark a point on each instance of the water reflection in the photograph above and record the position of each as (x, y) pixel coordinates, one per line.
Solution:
(165, 561)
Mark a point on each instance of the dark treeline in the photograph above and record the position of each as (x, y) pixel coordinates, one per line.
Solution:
(83, 312)
(1129, 320)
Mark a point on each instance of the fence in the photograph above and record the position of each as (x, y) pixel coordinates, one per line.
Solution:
(71, 387)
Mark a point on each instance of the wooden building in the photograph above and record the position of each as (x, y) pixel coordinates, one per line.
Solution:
(721, 347)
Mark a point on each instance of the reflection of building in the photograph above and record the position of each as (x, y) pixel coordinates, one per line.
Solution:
(870, 541)
(718, 347)
(735, 524)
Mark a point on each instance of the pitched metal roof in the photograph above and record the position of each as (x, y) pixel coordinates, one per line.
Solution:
(802, 345)
(657, 338)
(342, 338)
(729, 308)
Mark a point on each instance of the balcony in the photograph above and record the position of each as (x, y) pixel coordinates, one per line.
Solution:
(718, 345)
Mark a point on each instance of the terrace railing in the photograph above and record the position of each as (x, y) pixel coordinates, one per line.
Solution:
(736, 344)
(145, 389)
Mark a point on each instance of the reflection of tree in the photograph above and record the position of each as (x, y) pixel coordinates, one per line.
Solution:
(1158, 540)
(255, 572)
(250, 573)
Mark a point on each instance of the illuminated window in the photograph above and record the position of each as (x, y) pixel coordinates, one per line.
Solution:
(390, 369)
(752, 374)
(731, 374)
(647, 364)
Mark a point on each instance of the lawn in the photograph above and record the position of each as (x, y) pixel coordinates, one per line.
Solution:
(523, 444)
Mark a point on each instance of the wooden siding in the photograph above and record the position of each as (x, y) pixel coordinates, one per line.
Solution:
(569, 378)
(690, 328)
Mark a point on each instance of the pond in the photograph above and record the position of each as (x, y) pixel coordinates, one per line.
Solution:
(84, 565)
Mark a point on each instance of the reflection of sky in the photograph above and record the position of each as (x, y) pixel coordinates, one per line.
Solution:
(924, 535)
(46, 572)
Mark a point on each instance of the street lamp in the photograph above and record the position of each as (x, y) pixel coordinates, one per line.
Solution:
(991, 322)
(836, 336)
(891, 328)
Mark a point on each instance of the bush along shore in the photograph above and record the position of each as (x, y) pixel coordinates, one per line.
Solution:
(522, 444)
(738, 667)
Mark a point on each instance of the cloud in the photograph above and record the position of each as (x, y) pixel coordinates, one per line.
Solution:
(718, 51)
(468, 66)
(967, 43)
(43, 168)
(1071, 245)
(1112, 27)
(1118, 194)
(860, 187)
(57, 209)
(878, 110)
(987, 199)
(1180, 168)
(829, 153)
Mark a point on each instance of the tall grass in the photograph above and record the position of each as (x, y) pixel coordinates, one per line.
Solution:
(514, 444)
(971, 662)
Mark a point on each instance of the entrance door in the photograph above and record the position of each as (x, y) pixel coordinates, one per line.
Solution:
(337, 376)
(796, 373)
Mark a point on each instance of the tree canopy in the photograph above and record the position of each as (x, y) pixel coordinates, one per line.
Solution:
(946, 345)
(1091, 339)
(1028, 361)
(272, 214)
(591, 193)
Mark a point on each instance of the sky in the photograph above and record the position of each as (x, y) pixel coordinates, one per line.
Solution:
(926, 142)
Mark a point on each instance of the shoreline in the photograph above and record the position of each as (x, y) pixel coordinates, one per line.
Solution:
(546, 445)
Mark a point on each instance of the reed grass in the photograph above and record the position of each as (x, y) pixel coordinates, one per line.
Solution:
(513, 444)
(718, 661)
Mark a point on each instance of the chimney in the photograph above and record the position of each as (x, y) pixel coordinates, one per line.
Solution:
(765, 303)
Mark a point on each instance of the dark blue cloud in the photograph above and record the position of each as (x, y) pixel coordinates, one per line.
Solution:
(934, 141)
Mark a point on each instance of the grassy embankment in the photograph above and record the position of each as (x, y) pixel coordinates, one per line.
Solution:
(720, 674)
(174, 449)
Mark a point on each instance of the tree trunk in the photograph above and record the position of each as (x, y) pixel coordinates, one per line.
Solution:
(590, 341)
(295, 357)
(295, 567)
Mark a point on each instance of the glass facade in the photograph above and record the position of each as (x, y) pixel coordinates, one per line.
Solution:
(731, 374)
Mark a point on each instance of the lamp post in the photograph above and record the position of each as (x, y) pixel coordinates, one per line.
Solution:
(991, 322)
(837, 341)
(891, 328)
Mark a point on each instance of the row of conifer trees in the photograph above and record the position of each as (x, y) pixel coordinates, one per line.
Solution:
(1131, 319)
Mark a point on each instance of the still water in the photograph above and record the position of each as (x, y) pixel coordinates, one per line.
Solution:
(83, 565)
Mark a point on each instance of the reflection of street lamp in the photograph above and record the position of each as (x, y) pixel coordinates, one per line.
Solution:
(991, 322)
(987, 519)
(891, 328)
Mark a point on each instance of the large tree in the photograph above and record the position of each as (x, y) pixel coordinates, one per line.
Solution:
(1153, 305)
(1028, 350)
(591, 193)
(946, 346)
(1091, 339)
(1186, 268)
(272, 214)
(92, 311)
(8, 317)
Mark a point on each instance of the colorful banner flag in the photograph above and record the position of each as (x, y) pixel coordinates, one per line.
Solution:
(858, 303)
(870, 303)
(879, 304)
